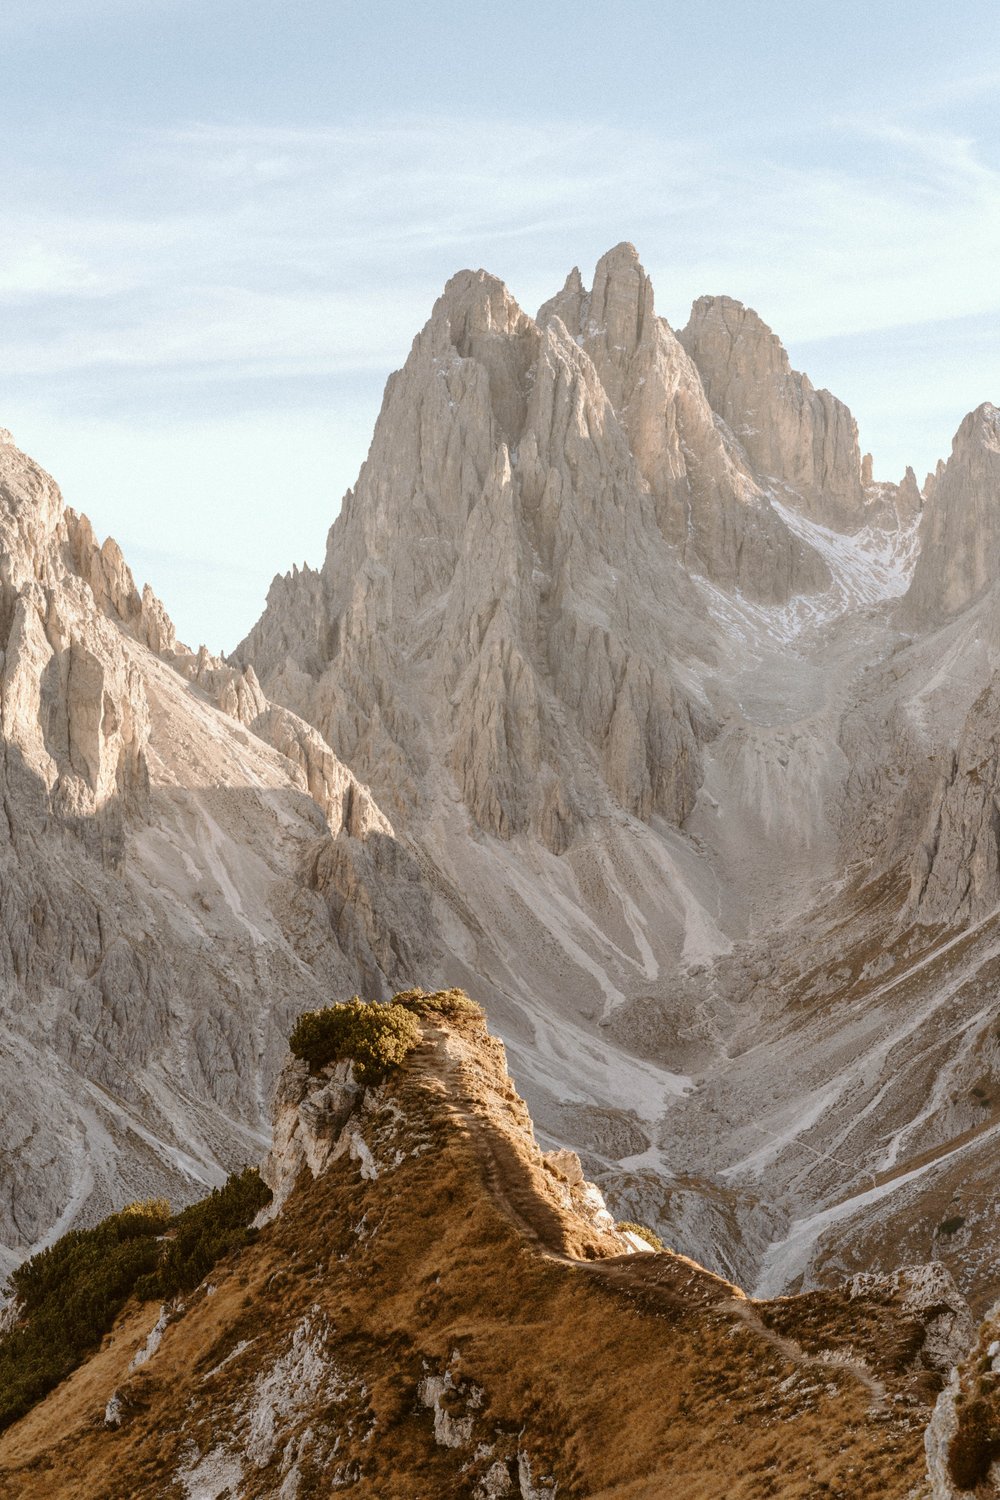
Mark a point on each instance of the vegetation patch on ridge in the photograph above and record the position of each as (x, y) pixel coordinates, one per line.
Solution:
(69, 1295)
(453, 1004)
(373, 1036)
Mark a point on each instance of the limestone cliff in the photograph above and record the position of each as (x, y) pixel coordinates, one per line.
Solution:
(960, 531)
(804, 438)
(176, 854)
(708, 502)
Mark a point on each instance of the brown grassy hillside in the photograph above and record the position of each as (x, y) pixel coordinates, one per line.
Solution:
(440, 1314)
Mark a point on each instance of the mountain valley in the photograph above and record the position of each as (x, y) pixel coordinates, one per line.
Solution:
(628, 701)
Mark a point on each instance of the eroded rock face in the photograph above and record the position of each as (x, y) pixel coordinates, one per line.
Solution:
(309, 1116)
(928, 1291)
(73, 712)
(955, 872)
(160, 919)
(709, 504)
(790, 431)
(960, 530)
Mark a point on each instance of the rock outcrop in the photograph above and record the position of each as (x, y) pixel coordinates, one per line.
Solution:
(960, 531)
(960, 1440)
(804, 438)
(956, 867)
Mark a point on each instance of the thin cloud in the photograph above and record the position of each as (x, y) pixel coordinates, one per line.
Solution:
(192, 263)
(324, 247)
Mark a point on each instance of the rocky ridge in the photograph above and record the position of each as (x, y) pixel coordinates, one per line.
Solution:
(374, 1335)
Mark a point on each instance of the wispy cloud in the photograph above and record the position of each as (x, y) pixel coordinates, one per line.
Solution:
(205, 257)
(322, 247)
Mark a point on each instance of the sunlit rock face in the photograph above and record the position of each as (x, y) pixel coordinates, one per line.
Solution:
(802, 437)
(960, 534)
(175, 857)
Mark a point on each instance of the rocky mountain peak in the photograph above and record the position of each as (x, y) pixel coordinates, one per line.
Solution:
(960, 529)
(31, 512)
(621, 301)
(708, 501)
(475, 304)
(805, 439)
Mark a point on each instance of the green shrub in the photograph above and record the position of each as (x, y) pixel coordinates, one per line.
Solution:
(81, 1252)
(448, 1003)
(201, 1235)
(70, 1294)
(975, 1445)
(642, 1232)
(952, 1225)
(375, 1038)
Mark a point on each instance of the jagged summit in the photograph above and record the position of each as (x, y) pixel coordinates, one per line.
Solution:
(804, 438)
(960, 534)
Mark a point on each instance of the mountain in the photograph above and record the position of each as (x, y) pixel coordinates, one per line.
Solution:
(625, 698)
(960, 546)
(804, 438)
(156, 930)
(611, 624)
(438, 1308)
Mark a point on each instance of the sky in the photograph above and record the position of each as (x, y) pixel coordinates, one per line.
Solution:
(223, 224)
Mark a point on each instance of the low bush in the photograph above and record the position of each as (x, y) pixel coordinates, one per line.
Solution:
(448, 1003)
(201, 1235)
(374, 1037)
(70, 1294)
(642, 1232)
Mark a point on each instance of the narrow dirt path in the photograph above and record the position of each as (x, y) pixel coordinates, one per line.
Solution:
(829, 1359)
(669, 1283)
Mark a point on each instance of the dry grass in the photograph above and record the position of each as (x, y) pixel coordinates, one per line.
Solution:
(624, 1378)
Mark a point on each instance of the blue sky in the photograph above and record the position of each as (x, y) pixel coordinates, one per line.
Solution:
(223, 224)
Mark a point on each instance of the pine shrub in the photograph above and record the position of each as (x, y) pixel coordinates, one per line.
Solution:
(452, 1004)
(70, 1294)
(374, 1037)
